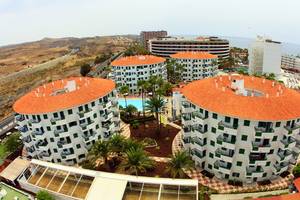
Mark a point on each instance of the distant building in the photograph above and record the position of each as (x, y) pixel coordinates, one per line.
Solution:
(147, 35)
(240, 128)
(129, 70)
(265, 56)
(60, 121)
(171, 45)
(290, 62)
(196, 65)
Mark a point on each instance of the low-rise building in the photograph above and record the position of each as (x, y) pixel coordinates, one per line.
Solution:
(60, 121)
(290, 62)
(241, 128)
(129, 70)
(196, 65)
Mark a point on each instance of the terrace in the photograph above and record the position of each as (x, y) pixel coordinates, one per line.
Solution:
(70, 183)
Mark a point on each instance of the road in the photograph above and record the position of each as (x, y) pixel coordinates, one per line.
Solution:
(7, 124)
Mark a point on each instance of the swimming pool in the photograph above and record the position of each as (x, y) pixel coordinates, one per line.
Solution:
(137, 102)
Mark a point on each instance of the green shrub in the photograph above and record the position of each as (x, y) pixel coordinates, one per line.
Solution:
(44, 195)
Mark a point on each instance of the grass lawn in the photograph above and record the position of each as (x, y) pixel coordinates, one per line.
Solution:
(12, 193)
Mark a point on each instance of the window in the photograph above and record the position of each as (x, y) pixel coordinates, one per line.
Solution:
(212, 143)
(81, 156)
(71, 124)
(241, 151)
(78, 146)
(278, 124)
(268, 163)
(48, 128)
(234, 174)
(58, 160)
(274, 138)
(97, 126)
(209, 166)
(93, 103)
(215, 115)
(55, 150)
(75, 135)
(70, 112)
(239, 163)
(211, 155)
(271, 151)
(213, 129)
(244, 137)
(45, 116)
(246, 123)
(95, 115)
(51, 139)
(227, 119)
(264, 174)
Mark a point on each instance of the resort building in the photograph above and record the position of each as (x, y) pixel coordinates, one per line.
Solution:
(129, 70)
(73, 183)
(145, 36)
(241, 128)
(60, 121)
(171, 45)
(265, 56)
(290, 62)
(196, 65)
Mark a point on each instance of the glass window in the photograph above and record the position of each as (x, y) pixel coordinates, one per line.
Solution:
(212, 143)
(246, 123)
(241, 151)
(278, 124)
(70, 112)
(45, 116)
(211, 155)
(239, 163)
(227, 119)
(244, 137)
(215, 115)
(75, 135)
(213, 129)
(275, 138)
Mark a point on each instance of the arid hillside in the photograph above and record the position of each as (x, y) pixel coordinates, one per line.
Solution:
(25, 66)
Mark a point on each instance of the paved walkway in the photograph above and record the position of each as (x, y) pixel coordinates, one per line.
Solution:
(125, 130)
(242, 196)
(160, 159)
(222, 186)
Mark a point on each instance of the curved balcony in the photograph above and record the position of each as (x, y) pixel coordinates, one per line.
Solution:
(84, 113)
(199, 117)
(293, 129)
(20, 118)
(258, 158)
(282, 167)
(223, 166)
(261, 147)
(227, 128)
(186, 107)
(254, 172)
(225, 155)
(284, 156)
(264, 132)
(226, 142)
(287, 143)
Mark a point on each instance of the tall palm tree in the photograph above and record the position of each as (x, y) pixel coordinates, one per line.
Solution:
(155, 104)
(130, 109)
(155, 82)
(181, 160)
(142, 84)
(136, 161)
(117, 143)
(124, 89)
(100, 150)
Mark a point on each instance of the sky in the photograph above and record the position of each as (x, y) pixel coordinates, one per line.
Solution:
(30, 20)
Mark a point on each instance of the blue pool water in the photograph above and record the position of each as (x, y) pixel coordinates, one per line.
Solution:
(135, 102)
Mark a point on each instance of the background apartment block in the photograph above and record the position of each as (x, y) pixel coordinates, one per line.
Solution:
(145, 36)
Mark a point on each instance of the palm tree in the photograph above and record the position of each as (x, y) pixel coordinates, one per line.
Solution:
(174, 71)
(124, 89)
(165, 89)
(117, 143)
(142, 85)
(181, 160)
(136, 161)
(100, 150)
(155, 105)
(132, 144)
(154, 83)
(130, 109)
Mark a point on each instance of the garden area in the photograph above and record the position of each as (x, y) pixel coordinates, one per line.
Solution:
(9, 145)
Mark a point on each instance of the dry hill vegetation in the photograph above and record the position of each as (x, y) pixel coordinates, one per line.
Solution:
(26, 66)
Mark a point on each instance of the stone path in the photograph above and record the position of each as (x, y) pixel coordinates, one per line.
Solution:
(125, 130)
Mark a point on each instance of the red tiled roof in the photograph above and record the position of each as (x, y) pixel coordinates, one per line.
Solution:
(43, 100)
(198, 55)
(138, 60)
(216, 95)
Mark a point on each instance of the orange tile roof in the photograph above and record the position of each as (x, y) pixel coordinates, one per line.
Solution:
(43, 100)
(216, 95)
(138, 60)
(197, 55)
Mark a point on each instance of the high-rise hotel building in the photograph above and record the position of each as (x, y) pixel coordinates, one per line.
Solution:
(60, 121)
(241, 128)
(171, 45)
(129, 70)
(196, 65)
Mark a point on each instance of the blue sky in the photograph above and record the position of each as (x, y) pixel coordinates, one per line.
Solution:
(28, 20)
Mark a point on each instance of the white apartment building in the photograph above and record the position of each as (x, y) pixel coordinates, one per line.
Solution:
(196, 65)
(60, 121)
(241, 128)
(170, 45)
(290, 62)
(129, 70)
(265, 56)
